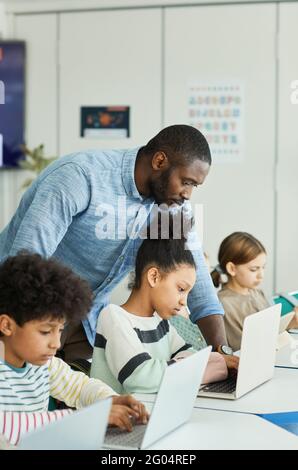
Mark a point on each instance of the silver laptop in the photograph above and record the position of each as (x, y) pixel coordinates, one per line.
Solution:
(257, 359)
(82, 430)
(172, 408)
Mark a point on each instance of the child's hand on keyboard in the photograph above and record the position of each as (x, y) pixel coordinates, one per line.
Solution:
(125, 411)
(120, 416)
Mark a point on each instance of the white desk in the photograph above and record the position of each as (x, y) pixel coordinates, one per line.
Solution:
(279, 394)
(209, 429)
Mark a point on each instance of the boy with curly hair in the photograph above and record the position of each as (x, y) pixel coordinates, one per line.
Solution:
(37, 297)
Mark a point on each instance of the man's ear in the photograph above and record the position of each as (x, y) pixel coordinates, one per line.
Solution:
(153, 276)
(7, 325)
(160, 161)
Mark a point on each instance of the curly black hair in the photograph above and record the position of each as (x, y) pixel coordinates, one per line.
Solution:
(33, 288)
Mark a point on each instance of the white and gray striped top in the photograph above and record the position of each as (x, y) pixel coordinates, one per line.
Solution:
(131, 352)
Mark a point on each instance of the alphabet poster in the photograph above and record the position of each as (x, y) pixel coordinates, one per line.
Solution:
(217, 110)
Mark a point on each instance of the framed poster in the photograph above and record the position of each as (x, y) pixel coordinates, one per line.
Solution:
(105, 122)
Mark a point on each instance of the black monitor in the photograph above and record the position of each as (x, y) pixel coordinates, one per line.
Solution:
(12, 102)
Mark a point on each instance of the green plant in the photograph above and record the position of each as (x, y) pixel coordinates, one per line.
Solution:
(34, 161)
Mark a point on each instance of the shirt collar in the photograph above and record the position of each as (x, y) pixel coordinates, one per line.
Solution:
(128, 173)
(19, 370)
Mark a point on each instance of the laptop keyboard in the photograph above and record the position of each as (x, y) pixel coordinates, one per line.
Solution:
(117, 437)
(225, 386)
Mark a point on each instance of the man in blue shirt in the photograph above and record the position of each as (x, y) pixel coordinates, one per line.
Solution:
(87, 210)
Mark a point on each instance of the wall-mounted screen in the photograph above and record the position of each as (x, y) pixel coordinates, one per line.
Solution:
(12, 101)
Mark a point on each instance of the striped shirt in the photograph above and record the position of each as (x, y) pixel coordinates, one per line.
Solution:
(131, 352)
(24, 394)
(29, 388)
(13, 425)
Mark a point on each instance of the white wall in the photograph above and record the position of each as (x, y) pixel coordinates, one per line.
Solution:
(21, 6)
(3, 22)
(41, 115)
(211, 43)
(190, 42)
(110, 58)
(287, 143)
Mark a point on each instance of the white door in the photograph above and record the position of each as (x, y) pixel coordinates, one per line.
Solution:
(110, 58)
(222, 44)
(40, 34)
(287, 187)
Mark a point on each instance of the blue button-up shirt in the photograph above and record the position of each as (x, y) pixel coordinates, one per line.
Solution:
(74, 211)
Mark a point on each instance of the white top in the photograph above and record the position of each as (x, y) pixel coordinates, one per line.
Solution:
(131, 352)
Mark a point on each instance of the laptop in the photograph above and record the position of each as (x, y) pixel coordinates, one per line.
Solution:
(172, 408)
(82, 430)
(284, 337)
(257, 359)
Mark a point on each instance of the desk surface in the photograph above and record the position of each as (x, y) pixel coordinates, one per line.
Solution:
(279, 394)
(209, 429)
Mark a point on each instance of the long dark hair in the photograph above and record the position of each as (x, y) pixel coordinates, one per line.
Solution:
(166, 253)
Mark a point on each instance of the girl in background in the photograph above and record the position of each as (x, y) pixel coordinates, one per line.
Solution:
(239, 273)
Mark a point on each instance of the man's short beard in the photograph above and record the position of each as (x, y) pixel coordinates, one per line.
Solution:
(159, 187)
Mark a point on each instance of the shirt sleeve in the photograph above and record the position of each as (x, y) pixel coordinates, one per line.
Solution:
(74, 388)
(202, 300)
(14, 425)
(56, 199)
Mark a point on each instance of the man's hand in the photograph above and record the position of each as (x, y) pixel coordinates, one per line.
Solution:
(231, 361)
(126, 410)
